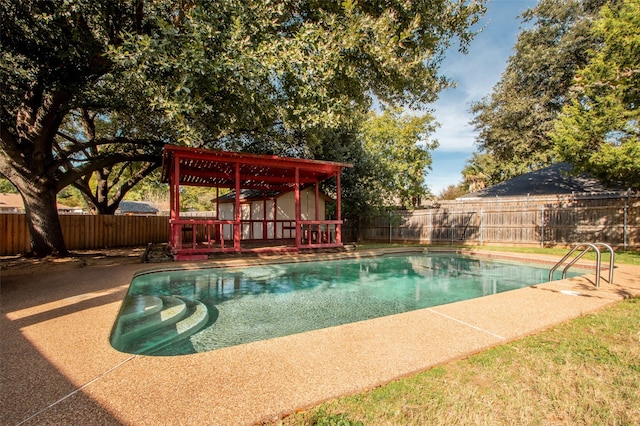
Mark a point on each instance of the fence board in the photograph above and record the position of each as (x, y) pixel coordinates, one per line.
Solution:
(83, 232)
(14, 237)
(545, 222)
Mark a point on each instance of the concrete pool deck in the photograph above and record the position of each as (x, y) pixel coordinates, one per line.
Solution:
(59, 368)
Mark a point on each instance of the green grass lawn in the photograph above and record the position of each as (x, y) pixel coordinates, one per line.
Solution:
(586, 371)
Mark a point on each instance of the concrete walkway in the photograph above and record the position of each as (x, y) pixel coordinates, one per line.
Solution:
(59, 368)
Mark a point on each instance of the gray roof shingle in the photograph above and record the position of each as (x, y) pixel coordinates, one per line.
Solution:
(556, 179)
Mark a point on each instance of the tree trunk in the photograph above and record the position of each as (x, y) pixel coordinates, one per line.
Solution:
(42, 219)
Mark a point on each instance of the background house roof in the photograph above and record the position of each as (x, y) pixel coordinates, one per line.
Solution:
(556, 179)
(11, 201)
(14, 201)
(137, 207)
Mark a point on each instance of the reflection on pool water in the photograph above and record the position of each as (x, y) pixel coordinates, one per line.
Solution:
(188, 311)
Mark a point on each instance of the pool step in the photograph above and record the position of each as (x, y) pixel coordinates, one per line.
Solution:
(179, 318)
(145, 319)
(140, 306)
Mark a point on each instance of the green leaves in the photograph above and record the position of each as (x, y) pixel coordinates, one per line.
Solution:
(400, 148)
(515, 120)
(572, 91)
(598, 131)
(235, 66)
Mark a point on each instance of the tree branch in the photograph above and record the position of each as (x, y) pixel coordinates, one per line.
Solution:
(12, 155)
(115, 141)
(146, 170)
(67, 178)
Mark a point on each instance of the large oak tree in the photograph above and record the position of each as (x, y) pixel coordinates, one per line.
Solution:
(229, 74)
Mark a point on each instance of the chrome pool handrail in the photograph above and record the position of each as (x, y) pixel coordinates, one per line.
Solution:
(611, 260)
(587, 247)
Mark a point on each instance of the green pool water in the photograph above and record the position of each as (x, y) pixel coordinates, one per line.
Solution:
(189, 311)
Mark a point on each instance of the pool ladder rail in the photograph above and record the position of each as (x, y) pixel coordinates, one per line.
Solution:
(585, 248)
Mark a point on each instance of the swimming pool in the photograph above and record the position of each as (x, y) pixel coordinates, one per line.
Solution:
(188, 311)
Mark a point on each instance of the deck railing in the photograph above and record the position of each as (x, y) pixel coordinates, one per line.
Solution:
(202, 236)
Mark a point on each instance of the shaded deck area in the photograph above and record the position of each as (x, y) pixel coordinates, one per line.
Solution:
(290, 224)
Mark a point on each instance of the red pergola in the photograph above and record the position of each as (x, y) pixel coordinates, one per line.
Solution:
(196, 238)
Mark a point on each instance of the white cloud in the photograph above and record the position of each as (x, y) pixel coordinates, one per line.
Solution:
(476, 73)
(455, 133)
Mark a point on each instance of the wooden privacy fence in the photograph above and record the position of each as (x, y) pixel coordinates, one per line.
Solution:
(87, 232)
(614, 221)
(557, 222)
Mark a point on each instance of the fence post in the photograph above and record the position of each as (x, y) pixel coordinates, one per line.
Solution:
(624, 226)
(453, 225)
(542, 226)
(481, 211)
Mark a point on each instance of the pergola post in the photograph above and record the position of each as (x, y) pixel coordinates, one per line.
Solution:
(338, 211)
(317, 228)
(298, 210)
(217, 216)
(237, 226)
(174, 200)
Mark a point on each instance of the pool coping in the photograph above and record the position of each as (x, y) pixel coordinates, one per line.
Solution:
(311, 257)
(60, 367)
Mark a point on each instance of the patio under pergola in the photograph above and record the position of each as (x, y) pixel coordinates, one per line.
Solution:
(262, 225)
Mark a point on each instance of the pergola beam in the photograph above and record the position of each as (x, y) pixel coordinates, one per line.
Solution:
(226, 177)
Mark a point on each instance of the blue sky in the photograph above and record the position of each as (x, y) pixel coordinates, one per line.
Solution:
(475, 73)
